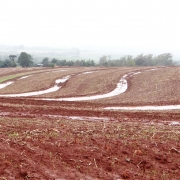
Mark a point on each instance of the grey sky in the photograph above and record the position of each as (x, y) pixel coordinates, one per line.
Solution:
(139, 24)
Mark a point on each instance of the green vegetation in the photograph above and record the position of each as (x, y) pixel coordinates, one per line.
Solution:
(56, 62)
(7, 63)
(141, 60)
(9, 77)
(25, 60)
(5, 78)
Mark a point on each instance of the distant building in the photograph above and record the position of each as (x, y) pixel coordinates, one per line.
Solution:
(39, 65)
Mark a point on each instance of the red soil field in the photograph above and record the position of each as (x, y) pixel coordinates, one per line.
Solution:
(80, 140)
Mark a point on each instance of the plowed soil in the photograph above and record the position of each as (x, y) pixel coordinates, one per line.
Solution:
(80, 140)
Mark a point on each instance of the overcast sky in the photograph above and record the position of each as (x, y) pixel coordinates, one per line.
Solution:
(135, 24)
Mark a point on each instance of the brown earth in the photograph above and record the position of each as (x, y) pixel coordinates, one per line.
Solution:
(79, 140)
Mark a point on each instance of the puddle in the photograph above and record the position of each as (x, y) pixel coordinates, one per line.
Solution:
(132, 74)
(24, 77)
(3, 85)
(87, 72)
(60, 70)
(169, 107)
(88, 118)
(137, 73)
(64, 79)
(55, 88)
(52, 89)
(174, 123)
(152, 70)
(121, 88)
(80, 118)
(4, 113)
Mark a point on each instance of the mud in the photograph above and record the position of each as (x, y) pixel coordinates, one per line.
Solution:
(146, 108)
(81, 140)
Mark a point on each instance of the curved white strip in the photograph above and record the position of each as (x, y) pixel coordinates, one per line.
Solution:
(121, 88)
(62, 80)
(170, 107)
(55, 88)
(89, 72)
(3, 85)
(23, 77)
(52, 89)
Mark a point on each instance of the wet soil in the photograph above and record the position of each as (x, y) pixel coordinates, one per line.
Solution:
(39, 140)
(81, 140)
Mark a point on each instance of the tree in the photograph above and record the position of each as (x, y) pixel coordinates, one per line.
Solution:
(25, 60)
(130, 61)
(45, 62)
(103, 61)
(123, 61)
(164, 59)
(54, 61)
(140, 60)
(12, 57)
(7, 63)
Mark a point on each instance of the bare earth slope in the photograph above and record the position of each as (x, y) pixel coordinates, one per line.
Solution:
(80, 140)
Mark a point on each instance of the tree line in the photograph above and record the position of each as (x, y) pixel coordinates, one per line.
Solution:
(55, 62)
(140, 60)
(26, 60)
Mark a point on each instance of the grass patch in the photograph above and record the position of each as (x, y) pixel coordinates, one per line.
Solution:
(9, 77)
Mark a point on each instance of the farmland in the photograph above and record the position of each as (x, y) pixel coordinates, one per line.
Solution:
(42, 137)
